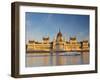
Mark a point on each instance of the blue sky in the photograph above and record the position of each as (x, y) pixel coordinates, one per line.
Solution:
(38, 25)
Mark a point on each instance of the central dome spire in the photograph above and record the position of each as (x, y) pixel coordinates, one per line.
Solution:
(59, 36)
(59, 33)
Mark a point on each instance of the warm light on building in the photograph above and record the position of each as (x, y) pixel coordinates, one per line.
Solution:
(58, 44)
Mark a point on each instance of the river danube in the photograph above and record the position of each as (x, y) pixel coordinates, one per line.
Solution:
(56, 59)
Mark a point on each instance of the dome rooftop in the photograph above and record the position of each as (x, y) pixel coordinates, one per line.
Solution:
(59, 34)
(45, 38)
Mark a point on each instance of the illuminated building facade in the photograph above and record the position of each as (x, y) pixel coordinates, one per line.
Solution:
(58, 44)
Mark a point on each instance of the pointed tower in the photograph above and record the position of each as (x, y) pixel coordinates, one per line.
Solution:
(59, 42)
(59, 37)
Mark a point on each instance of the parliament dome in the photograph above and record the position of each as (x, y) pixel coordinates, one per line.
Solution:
(59, 36)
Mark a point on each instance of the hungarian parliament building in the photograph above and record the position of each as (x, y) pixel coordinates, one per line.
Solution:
(58, 44)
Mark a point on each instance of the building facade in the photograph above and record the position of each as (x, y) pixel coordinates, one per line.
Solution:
(58, 44)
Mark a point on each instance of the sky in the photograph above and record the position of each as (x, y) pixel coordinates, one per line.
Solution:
(39, 25)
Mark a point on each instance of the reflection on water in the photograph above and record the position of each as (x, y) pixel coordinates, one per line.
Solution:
(55, 59)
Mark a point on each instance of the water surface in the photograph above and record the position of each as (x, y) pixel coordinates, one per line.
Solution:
(56, 59)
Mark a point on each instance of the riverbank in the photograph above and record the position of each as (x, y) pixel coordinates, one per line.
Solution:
(41, 51)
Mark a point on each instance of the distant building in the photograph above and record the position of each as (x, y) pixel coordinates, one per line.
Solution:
(58, 44)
